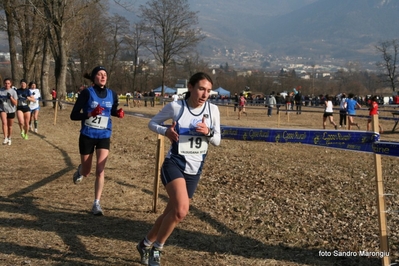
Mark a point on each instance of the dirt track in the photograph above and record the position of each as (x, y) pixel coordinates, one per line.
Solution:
(257, 203)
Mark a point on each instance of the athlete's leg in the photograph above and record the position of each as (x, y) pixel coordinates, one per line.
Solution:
(102, 156)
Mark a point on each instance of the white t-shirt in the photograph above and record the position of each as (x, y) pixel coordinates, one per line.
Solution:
(175, 97)
(329, 107)
(36, 94)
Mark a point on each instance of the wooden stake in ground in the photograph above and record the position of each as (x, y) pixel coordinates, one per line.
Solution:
(159, 157)
(278, 119)
(55, 112)
(382, 220)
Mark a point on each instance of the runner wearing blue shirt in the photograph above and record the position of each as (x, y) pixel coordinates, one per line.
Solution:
(351, 106)
(94, 108)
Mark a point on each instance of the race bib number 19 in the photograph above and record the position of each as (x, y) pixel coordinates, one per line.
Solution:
(192, 145)
(99, 122)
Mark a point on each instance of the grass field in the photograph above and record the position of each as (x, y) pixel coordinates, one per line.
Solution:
(257, 203)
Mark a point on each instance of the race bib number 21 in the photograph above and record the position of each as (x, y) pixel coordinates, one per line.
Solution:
(99, 122)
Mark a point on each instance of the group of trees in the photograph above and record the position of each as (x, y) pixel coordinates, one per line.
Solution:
(61, 40)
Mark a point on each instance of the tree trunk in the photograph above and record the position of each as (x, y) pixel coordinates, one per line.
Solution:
(61, 63)
(45, 88)
(11, 40)
(163, 79)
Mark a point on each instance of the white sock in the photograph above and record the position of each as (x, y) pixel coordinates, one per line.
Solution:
(158, 245)
(147, 242)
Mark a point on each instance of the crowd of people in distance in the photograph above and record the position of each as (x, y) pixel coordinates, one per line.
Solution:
(136, 98)
(294, 101)
(22, 102)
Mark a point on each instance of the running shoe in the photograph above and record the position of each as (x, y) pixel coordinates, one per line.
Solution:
(77, 177)
(25, 136)
(144, 253)
(9, 141)
(96, 210)
(155, 257)
(35, 130)
(5, 141)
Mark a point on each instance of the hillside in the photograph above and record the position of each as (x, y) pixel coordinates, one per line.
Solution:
(316, 29)
(339, 29)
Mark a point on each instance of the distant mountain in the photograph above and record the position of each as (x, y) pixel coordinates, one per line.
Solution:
(346, 29)
(339, 28)
(226, 23)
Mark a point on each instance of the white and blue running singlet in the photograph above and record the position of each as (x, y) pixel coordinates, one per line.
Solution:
(190, 151)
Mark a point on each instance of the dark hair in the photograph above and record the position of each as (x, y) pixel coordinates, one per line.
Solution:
(7, 79)
(351, 95)
(31, 83)
(23, 80)
(195, 79)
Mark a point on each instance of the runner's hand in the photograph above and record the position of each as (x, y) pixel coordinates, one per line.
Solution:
(97, 111)
(120, 113)
(171, 133)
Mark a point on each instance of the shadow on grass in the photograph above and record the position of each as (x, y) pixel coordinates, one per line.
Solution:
(71, 226)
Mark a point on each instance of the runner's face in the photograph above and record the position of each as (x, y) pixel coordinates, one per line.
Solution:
(23, 85)
(101, 78)
(7, 84)
(199, 94)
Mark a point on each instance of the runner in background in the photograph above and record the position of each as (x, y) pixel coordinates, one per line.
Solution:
(373, 111)
(23, 109)
(34, 106)
(8, 103)
(54, 97)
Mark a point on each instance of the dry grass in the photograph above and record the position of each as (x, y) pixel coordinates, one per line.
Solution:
(257, 203)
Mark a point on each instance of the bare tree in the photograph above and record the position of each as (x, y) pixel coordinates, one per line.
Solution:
(45, 70)
(117, 28)
(8, 7)
(135, 42)
(389, 53)
(31, 34)
(24, 24)
(61, 17)
(170, 25)
(89, 43)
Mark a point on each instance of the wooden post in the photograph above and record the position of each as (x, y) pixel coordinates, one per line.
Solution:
(227, 110)
(347, 122)
(278, 119)
(382, 220)
(55, 111)
(159, 157)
